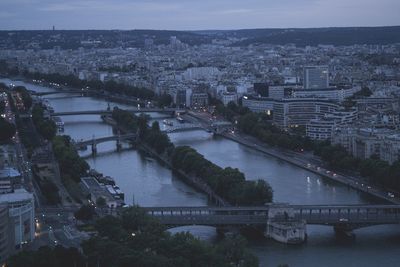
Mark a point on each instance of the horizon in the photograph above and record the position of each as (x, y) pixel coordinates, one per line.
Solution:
(205, 30)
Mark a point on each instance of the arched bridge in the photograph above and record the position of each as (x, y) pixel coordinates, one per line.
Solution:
(348, 216)
(105, 139)
(105, 112)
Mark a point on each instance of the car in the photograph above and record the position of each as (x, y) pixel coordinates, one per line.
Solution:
(343, 220)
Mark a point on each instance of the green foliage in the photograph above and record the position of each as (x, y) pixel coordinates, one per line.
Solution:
(50, 192)
(158, 140)
(254, 124)
(152, 136)
(135, 239)
(378, 171)
(109, 86)
(164, 100)
(125, 119)
(72, 166)
(228, 183)
(46, 127)
(7, 130)
(25, 95)
(234, 251)
(48, 257)
(85, 213)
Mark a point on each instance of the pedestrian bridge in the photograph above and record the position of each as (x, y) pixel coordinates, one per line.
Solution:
(348, 216)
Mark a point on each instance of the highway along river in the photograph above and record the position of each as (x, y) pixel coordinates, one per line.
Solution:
(148, 183)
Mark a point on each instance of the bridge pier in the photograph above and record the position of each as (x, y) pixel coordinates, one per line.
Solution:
(94, 149)
(119, 145)
(344, 230)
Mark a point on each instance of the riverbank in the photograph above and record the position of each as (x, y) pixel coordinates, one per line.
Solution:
(305, 164)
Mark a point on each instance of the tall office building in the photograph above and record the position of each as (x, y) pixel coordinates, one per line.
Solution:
(316, 77)
(21, 210)
(6, 234)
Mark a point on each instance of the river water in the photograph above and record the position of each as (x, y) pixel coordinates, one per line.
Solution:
(147, 183)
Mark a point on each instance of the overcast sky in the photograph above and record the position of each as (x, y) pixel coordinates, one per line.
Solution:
(195, 14)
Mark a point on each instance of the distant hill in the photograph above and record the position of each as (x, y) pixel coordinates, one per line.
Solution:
(316, 36)
(72, 39)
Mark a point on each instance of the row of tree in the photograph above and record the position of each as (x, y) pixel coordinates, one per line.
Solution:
(7, 129)
(377, 171)
(229, 183)
(109, 86)
(45, 126)
(72, 166)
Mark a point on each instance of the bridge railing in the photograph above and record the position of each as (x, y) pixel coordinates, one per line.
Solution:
(213, 219)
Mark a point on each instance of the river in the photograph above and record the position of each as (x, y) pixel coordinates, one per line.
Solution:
(148, 183)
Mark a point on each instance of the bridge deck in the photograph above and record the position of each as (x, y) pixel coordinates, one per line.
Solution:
(321, 215)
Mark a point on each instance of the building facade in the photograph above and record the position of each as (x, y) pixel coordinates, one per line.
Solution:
(294, 112)
(22, 214)
(6, 234)
(316, 77)
(258, 104)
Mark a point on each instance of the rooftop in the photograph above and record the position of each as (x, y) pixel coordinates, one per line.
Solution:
(18, 195)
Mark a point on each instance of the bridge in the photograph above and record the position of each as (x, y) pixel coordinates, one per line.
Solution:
(280, 219)
(94, 141)
(132, 136)
(183, 128)
(108, 112)
(61, 92)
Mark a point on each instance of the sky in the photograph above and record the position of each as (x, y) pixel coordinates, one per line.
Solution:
(195, 14)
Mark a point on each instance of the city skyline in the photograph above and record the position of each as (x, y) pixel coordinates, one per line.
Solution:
(193, 15)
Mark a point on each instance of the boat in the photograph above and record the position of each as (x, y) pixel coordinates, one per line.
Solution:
(287, 232)
(59, 123)
(168, 122)
(180, 119)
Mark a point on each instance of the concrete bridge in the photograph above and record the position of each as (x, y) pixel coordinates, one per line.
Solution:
(95, 141)
(281, 220)
(108, 112)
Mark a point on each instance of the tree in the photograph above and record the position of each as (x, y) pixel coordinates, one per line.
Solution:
(234, 251)
(7, 130)
(164, 100)
(85, 213)
(48, 257)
